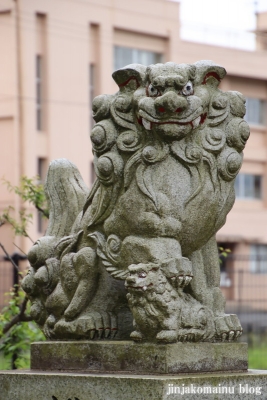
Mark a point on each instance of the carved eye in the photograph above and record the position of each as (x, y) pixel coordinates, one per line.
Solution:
(188, 89)
(152, 92)
(142, 275)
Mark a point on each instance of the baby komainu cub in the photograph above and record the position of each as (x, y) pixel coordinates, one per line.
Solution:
(162, 311)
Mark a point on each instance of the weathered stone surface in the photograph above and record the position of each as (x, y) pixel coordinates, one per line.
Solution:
(167, 148)
(26, 385)
(143, 358)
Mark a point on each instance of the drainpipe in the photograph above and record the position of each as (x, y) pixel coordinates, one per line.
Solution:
(20, 132)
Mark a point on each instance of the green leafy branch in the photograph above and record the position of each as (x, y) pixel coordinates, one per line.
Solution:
(13, 313)
(17, 329)
(20, 226)
(32, 191)
(223, 254)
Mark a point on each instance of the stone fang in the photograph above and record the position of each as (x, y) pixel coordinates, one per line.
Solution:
(146, 124)
(196, 122)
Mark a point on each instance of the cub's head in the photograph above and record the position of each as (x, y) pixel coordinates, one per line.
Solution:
(145, 278)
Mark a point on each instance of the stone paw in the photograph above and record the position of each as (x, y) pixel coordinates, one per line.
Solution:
(184, 280)
(167, 336)
(136, 336)
(190, 335)
(178, 270)
(228, 328)
(93, 325)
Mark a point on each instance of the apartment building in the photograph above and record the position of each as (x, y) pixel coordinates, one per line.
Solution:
(57, 55)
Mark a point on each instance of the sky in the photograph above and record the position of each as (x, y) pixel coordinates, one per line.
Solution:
(221, 22)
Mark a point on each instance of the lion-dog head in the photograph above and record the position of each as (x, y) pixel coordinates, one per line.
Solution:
(170, 99)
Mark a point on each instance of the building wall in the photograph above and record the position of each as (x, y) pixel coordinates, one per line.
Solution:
(261, 31)
(75, 42)
(68, 37)
(248, 219)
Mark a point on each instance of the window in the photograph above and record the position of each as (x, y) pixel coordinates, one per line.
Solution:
(39, 93)
(226, 251)
(248, 186)
(255, 111)
(258, 258)
(41, 169)
(41, 172)
(126, 55)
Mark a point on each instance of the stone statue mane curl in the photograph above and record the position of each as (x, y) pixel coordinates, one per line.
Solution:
(167, 148)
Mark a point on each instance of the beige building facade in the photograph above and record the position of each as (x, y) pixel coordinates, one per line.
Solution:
(56, 56)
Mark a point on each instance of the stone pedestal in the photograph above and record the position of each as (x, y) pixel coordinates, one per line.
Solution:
(143, 358)
(37, 385)
(125, 370)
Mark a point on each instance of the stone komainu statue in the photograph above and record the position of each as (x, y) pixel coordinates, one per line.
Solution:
(167, 148)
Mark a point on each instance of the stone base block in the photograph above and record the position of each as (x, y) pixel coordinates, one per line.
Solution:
(145, 358)
(29, 385)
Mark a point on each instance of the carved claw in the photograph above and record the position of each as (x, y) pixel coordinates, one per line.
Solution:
(228, 328)
(113, 325)
(238, 333)
(113, 333)
(105, 324)
(184, 338)
(93, 324)
(167, 336)
(184, 280)
(92, 334)
(136, 336)
(181, 338)
(231, 335)
(224, 337)
(107, 333)
(100, 333)
(190, 335)
(188, 279)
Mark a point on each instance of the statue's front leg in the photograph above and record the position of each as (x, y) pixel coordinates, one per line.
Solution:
(85, 265)
(169, 325)
(136, 335)
(205, 287)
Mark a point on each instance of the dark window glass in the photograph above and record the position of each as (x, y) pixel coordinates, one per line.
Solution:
(38, 66)
(41, 172)
(255, 111)
(248, 186)
(258, 258)
(126, 55)
(38, 92)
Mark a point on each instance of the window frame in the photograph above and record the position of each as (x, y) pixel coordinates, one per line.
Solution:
(260, 105)
(241, 191)
(136, 56)
(258, 261)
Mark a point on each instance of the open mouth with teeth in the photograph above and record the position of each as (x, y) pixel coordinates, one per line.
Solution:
(138, 288)
(148, 123)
